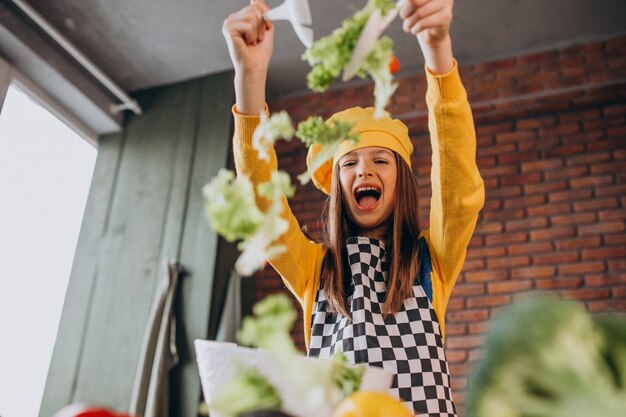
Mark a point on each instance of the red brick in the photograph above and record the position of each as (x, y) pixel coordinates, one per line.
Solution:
(529, 248)
(534, 200)
(488, 301)
(604, 253)
(526, 224)
(504, 238)
(572, 195)
(467, 315)
(615, 190)
(546, 121)
(549, 209)
(609, 168)
(508, 286)
(508, 262)
(586, 137)
(604, 145)
(517, 157)
(559, 283)
(616, 132)
(485, 252)
(475, 355)
(476, 241)
(456, 356)
(496, 128)
(600, 228)
(615, 110)
(566, 173)
(473, 265)
(504, 192)
(456, 328)
(552, 233)
(568, 150)
(606, 306)
(544, 187)
(521, 178)
(589, 158)
(488, 228)
(533, 272)
(542, 165)
(464, 342)
(555, 258)
(456, 303)
(482, 276)
(499, 214)
(578, 243)
(595, 204)
(481, 327)
(581, 268)
(617, 265)
(587, 294)
(559, 130)
(545, 145)
(458, 384)
(516, 137)
(497, 149)
(498, 171)
(614, 240)
(575, 219)
(594, 181)
(605, 279)
(461, 290)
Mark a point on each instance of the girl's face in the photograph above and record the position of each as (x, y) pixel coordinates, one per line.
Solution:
(368, 181)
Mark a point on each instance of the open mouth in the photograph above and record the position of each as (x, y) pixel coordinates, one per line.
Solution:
(367, 196)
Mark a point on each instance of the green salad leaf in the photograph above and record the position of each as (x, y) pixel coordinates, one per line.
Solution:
(330, 135)
(248, 391)
(232, 211)
(278, 126)
(545, 357)
(330, 54)
(231, 206)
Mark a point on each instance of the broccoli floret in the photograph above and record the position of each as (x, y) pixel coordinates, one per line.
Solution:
(544, 358)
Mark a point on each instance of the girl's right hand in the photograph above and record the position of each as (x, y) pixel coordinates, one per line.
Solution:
(250, 39)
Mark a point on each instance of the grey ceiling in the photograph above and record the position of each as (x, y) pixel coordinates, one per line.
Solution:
(146, 43)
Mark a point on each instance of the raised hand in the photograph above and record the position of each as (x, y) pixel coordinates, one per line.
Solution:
(250, 40)
(429, 21)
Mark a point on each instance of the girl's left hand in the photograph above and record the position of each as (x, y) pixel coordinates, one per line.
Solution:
(429, 20)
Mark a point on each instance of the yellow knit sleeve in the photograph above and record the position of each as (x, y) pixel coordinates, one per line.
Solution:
(457, 187)
(300, 265)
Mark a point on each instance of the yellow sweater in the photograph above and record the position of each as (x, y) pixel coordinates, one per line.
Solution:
(457, 197)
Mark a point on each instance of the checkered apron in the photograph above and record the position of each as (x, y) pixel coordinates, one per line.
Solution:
(408, 344)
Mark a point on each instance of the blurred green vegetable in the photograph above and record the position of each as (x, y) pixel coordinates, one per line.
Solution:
(278, 126)
(329, 55)
(313, 131)
(248, 391)
(231, 206)
(545, 357)
(269, 326)
(319, 383)
(232, 211)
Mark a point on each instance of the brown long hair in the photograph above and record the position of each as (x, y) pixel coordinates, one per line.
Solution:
(402, 250)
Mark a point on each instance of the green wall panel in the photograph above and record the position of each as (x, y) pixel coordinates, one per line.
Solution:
(145, 206)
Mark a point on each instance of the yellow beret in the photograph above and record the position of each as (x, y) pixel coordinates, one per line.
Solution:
(384, 132)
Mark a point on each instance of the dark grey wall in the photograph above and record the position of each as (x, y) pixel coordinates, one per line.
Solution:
(145, 206)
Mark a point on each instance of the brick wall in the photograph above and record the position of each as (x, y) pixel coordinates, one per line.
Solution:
(551, 137)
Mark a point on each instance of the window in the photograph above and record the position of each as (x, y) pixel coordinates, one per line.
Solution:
(45, 175)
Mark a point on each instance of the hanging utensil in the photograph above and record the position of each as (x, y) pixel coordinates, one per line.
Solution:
(299, 14)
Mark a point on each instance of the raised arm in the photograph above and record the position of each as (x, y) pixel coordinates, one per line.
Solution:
(457, 188)
(250, 42)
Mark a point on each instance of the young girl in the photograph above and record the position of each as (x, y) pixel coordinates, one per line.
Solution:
(378, 287)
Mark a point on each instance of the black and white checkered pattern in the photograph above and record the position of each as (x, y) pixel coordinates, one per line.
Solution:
(408, 344)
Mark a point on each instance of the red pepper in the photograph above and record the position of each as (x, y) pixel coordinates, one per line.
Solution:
(394, 65)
